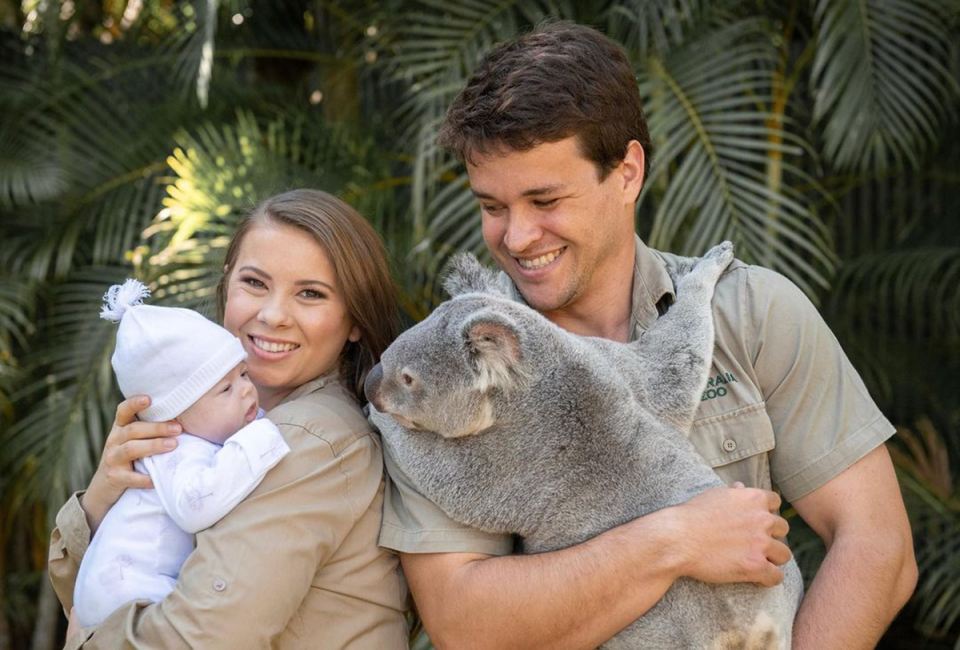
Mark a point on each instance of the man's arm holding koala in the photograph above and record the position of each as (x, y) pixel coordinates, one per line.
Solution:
(581, 596)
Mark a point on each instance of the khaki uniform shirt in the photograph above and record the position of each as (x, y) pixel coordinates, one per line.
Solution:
(294, 565)
(783, 407)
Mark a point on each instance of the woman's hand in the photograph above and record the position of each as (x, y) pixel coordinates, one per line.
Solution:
(128, 441)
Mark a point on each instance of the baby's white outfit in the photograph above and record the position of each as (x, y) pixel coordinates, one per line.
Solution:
(147, 535)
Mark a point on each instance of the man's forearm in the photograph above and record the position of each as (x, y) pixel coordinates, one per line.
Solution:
(581, 596)
(857, 592)
(573, 598)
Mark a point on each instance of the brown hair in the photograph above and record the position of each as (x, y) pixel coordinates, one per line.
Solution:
(558, 81)
(359, 260)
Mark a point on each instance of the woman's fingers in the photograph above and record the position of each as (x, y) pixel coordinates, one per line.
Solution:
(136, 449)
(146, 430)
(127, 409)
(135, 480)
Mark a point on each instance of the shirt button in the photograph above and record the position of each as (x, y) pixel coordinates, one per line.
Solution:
(729, 444)
(219, 584)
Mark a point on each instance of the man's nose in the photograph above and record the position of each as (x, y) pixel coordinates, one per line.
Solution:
(523, 230)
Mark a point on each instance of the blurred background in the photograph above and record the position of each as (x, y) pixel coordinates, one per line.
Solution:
(820, 136)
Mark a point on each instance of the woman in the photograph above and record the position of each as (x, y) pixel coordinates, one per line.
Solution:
(307, 290)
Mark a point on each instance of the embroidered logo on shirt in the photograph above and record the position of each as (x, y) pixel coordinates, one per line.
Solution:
(716, 386)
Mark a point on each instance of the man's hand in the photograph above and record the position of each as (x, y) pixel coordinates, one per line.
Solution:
(128, 441)
(731, 535)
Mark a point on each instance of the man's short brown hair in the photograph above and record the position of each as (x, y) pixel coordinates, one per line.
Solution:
(558, 81)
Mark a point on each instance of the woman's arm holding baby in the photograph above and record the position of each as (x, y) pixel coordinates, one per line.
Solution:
(251, 571)
(79, 518)
(129, 440)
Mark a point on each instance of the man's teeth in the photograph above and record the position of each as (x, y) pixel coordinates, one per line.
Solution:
(539, 262)
(269, 346)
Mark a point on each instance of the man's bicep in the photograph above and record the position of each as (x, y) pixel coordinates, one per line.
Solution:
(865, 499)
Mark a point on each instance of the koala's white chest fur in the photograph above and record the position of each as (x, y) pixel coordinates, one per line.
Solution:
(516, 426)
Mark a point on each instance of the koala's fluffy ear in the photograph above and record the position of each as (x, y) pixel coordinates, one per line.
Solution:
(493, 342)
(467, 275)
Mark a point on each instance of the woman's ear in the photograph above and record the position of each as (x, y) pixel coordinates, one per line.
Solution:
(354, 334)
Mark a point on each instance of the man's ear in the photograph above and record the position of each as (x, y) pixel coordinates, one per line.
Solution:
(467, 275)
(632, 168)
(493, 343)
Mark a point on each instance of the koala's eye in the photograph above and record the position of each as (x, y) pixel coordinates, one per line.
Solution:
(406, 378)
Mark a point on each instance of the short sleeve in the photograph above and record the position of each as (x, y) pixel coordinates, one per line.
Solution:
(413, 524)
(823, 417)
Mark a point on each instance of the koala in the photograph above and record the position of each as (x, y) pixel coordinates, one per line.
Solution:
(512, 425)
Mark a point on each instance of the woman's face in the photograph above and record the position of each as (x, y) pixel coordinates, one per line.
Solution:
(284, 304)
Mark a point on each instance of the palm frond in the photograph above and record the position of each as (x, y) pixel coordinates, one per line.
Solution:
(706, 107)
(884, 80)
(647, 26)
(53, 448)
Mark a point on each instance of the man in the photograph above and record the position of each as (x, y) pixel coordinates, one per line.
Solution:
(553, 136)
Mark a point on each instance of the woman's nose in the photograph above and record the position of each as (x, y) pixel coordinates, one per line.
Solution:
(273, 313)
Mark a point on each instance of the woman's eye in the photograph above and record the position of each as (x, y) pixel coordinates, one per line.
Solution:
(311, 294)
(226, 389)
(253, 282)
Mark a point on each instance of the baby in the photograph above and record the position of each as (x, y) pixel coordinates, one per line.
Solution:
(195, 372)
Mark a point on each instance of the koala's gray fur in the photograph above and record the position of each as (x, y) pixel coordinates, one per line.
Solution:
(512, 425)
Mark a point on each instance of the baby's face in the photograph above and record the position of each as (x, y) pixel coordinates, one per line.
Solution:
(225, 409)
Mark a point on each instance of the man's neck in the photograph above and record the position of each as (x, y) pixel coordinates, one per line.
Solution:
(606, 309)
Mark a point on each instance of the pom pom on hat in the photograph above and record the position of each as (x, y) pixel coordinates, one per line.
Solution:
(121, 297)
(173, 355)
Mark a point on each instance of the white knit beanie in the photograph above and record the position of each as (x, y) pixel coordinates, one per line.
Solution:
(173, 355)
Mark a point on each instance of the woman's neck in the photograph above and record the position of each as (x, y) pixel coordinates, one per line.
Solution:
(271, 397)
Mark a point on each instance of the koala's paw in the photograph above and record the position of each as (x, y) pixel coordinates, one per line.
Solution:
(721, 254)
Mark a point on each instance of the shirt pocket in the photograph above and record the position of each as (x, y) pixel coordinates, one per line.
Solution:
(737, 445)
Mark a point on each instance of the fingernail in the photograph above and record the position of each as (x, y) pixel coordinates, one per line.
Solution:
(169, 444)
(144, 401)
(174, 428)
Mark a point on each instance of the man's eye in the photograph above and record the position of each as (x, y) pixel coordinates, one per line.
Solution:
(545, 203)
(491, 209)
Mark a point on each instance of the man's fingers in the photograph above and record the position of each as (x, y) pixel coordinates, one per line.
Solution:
(137, 449)
(780, 527)
(771, 576)
(779, 553)
(773, 501)
(127, 409)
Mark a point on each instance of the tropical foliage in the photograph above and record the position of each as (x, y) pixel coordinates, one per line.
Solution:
(819, 135)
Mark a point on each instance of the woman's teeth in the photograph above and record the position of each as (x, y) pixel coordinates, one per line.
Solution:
(270, 346)
(539, 262)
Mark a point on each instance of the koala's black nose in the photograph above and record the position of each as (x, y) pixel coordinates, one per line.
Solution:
(372, 385)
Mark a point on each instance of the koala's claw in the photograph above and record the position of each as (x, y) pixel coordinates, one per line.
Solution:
(722, 254)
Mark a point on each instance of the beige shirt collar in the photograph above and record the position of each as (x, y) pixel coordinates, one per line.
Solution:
(311, 386)
(651, 283)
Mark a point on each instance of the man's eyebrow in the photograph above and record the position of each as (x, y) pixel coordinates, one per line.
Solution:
(299, 283)
(534, 191)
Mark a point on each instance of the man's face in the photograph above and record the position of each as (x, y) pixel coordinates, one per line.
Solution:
(550, 222)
